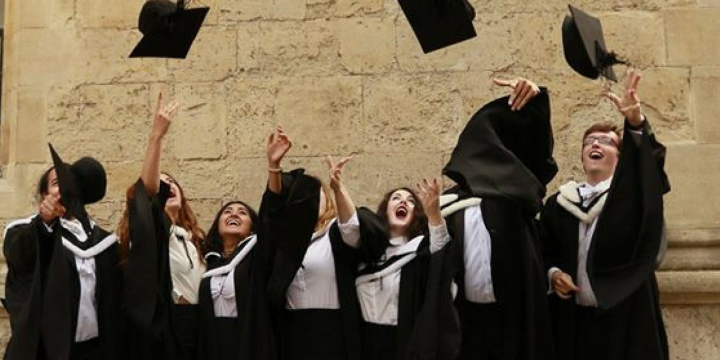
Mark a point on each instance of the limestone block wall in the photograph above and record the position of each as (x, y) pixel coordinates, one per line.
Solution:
(348, 77)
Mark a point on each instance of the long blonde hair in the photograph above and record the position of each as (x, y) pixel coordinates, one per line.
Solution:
(330, 209)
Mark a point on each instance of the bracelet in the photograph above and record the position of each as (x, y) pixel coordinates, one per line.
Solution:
(275, 170)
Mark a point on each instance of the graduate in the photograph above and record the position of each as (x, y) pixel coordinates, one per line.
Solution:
(501, 164)
(63, 284)
(601, 238)
(235, 320)
(312, 280)
(396, 244)
(162, 258)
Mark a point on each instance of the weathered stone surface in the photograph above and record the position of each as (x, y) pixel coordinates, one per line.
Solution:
(293, 48)
(32, 109)
(367, 45)
(232, 11)
(87, 119)
(38, 66)
(324, 119)
(103, 58)
(42, 13)
(411, 113)
(212, 57)
(694, 201)
(705, 92)
(370, 175)
(646, 46)
(689, 41)
(109, 14)
(199, 127)
(252, 108)
(693, 331)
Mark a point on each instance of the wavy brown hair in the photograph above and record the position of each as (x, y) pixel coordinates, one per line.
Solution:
(419, 223)
(186, 219)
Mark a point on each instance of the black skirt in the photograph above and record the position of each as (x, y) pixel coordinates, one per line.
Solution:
(481, 329)
(185, 326)
(379, 342)
(312, 334)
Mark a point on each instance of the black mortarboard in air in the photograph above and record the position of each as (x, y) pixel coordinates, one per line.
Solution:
(439, 23)
(84, 182)
(168, 29)
(584, 46)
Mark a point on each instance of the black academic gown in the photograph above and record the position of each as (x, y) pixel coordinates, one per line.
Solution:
(391, 342)
(505, 158)
(148, 300)
(628, 323)
(250, 335)
(290, 220)
(43, 294)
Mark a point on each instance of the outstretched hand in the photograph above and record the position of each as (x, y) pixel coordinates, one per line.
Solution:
(629, 104)
(336, 170)
(523, 90)
(429, 194)
(278, 144)
(163, 117)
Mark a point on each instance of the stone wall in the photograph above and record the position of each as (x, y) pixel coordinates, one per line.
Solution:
(348, 77)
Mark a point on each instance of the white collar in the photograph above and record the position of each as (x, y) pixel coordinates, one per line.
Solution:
(75, 227)
(224, 270)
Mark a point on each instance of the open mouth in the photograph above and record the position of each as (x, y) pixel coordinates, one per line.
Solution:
(596, 155)
(401, 212)
(233, 222)
(172, 194)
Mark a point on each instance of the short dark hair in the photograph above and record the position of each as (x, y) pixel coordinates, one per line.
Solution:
(42, 185)
(605, 126)
(419, 224)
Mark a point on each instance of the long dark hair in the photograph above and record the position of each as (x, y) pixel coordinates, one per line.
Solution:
(213, 242)
(186, 219)
(418, 225)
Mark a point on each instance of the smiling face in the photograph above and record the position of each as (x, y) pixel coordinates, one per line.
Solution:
(235, 222)
(600, 154)
(400, 211)
(174, 201)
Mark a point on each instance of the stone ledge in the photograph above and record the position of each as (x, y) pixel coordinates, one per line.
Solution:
(689, 287)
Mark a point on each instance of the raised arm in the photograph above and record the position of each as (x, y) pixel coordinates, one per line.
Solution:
(278, 144)
(161, 123)
(429, 193)
(348, 221)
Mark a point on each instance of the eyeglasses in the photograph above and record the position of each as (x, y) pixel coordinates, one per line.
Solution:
(602, 140)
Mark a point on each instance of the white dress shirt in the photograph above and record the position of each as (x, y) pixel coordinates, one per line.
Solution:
(586, 296)
(477, 253)
(379, 292)
(314, 285)
(222, 281)
(186, 269)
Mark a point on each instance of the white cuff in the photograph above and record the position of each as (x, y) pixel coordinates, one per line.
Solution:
(350, 231)
(439, 237)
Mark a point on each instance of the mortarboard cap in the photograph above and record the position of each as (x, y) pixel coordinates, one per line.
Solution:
(84, 182)
(584, 46)
(439, 23)
(168, 29)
